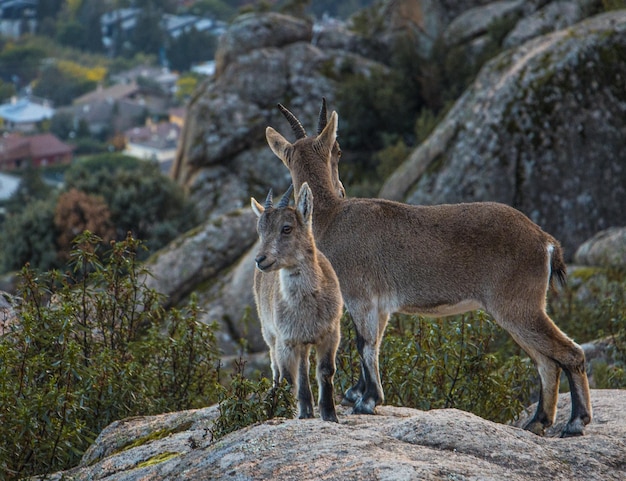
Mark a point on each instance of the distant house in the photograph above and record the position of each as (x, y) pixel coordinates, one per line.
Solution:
(163, 77)
(18, 17)
(17, 151)
(155, 142)
(111, 94)
(24, 115)
(115, 109)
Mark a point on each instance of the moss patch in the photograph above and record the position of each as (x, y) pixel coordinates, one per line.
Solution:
(159, 458)
(156, 435)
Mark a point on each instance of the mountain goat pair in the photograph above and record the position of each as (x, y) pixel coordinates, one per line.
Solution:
(435, 260)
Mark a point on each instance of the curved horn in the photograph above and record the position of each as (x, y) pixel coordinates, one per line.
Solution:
(322, 119)
(268, 200)
(284, 200)
(296, 126)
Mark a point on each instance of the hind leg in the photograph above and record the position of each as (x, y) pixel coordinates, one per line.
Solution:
(549, 376)
(552, 351)
(305, 396)
(579, 389)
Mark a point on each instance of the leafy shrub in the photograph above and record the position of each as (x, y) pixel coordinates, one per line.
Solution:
(243, 402)
(21, 61)
(29, 236)
(140, 198)
(77, 211)
(581, 308)
(593, 306)
(390, 158)
(91, 346)
(445, 363)
(608, 5)
(60, 86)
(615, 310)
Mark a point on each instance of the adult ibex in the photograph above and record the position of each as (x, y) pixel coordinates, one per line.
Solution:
(438, 260)
(298, 300)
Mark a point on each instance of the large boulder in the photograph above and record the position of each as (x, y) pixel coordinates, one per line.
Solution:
(476, 21)
(201, 254)
(223, 157)
(398, 443)
(541, 129)
(605, 249)
(551, 17)
(251, 31)
(201, 261)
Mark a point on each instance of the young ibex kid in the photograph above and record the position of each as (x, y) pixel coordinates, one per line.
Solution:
(437, 260)
(298, 300)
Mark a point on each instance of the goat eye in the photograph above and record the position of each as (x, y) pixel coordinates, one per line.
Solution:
(287, 229)
(339, 154)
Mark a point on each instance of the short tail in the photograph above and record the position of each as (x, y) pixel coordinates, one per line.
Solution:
(558, 269)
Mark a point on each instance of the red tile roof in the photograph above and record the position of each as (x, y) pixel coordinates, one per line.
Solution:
(14, 147)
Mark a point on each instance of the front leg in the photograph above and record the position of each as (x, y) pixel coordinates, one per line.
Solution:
(294, 368)
(305, 396)
(275, 367)
(369, 335)
(326, 354)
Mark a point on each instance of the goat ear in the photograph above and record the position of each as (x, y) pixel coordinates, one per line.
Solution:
(279, 145)
(329, 134)
(256, 207)
(305, 203)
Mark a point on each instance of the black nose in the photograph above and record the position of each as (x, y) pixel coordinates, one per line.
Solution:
(260, 259)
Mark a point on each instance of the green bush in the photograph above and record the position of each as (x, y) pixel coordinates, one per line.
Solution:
(593, 306)
(29, 236)
(243, 402)
(141, 199)
(92, 346)
(581, 308)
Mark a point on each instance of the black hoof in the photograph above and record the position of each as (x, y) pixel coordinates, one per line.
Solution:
(536, 427)
(575, 427)
(331, 417)
(364, 407)
(351, 397)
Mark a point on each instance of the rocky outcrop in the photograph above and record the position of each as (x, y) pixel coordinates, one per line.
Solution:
(605, 249)
(542, 129)
(476, 21)
(251, 32)
(551, 17)
(398, 443)
(536, 118)
(201, 254)
(223, 157)
(202, 261)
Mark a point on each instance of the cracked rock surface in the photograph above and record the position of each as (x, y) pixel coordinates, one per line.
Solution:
(397, 444)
